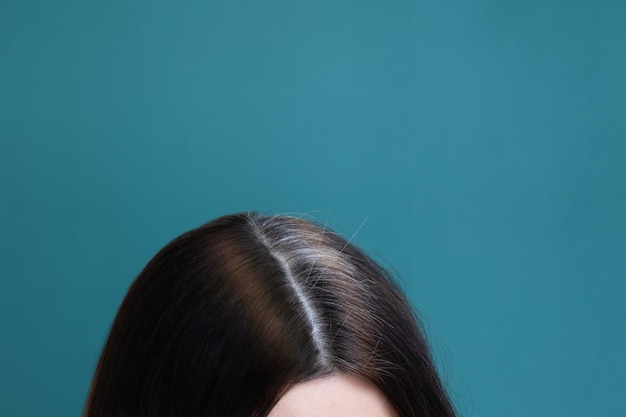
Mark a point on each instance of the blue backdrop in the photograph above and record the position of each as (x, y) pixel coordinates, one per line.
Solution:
(481, 145)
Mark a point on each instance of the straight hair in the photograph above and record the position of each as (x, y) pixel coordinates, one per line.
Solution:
(227, 317)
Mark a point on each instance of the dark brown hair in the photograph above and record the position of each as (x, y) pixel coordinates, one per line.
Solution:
(229, 315)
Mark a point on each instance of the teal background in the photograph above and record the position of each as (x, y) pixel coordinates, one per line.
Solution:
(480, 145)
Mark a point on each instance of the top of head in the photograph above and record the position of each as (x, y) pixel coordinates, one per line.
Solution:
(229, 315)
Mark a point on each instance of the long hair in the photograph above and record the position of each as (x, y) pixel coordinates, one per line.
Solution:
(225, 318)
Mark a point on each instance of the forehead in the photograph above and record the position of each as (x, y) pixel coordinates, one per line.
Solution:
(334, 396)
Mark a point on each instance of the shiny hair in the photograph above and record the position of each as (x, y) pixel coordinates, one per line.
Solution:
(225, 318)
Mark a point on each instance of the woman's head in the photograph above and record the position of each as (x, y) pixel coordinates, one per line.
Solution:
(227, 317)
